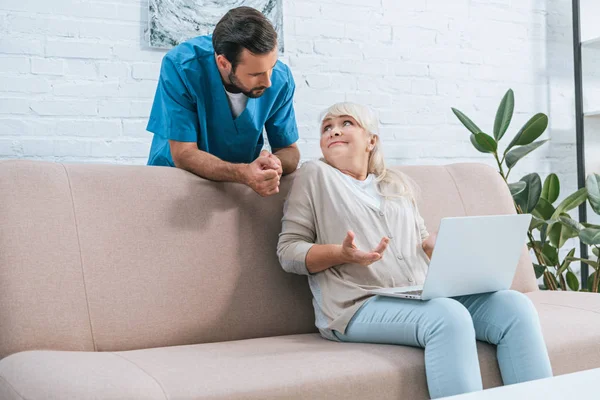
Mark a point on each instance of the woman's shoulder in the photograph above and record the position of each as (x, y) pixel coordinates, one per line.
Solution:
(313, 168)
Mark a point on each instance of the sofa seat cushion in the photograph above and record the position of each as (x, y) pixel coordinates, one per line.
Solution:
(571, 327)
(284, 367)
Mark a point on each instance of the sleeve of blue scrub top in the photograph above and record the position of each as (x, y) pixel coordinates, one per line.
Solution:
(173, 114)
(282, 130)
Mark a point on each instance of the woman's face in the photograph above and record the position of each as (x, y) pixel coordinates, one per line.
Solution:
(344, 144)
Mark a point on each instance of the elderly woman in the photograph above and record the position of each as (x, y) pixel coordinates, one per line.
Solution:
(352, 225)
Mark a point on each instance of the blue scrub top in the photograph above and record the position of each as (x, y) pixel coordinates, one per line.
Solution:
(191, 105)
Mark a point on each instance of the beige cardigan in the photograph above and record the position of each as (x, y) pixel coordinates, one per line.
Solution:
(321, 207)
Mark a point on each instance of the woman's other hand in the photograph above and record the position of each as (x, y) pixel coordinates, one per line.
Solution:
(429, 244)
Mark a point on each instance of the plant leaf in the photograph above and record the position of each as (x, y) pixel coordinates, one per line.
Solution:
(504, 114)
(596, 251)
(592, 184)
(544, 209)
(551, 188)
(476, 145)
(566, 220)
(572, 201)
(486, 142)
(591, 263)
(470, 125)
(590, 281)
(543, 233)
(516, 187)
(572, 281)
(566, 262)
(528, 199)
(539, 270)
(532, 130)
(590, 236)
(536, 223)
(515, 155)
(559, 234)
(549, 254)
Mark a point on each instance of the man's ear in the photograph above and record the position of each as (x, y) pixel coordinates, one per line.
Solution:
(223, 62)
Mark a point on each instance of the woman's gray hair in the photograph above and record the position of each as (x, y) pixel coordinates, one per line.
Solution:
(391, 182)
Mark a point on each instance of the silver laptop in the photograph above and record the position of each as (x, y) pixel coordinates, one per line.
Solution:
(471, 255)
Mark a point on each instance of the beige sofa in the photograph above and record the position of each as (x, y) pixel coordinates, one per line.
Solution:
(130, 282)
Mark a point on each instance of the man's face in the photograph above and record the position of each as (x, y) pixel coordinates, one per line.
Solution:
(252, 75)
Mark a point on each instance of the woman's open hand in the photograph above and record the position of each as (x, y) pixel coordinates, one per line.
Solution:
(353, 255)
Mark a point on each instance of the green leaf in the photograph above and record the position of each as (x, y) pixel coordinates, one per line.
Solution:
(596, 251)
(572, 281)
(543, 232)
(588, 225)
(549, 254)
(532, 130)
(559, 234)
(544, 209)
(566, 262)
(551, 188)
(539, 270)
(592, 184)
(476, 145)
(591, 263)
(528, 198)
(569, 222)
(515, 155)
(504, 114)
(590, 236)
(536, 223)
(470, 125)
(590, 281)
(516, 187)
(486, 142)
(572, 201)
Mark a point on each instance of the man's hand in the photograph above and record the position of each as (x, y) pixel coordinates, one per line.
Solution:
(271, 161)
(351, 254)
(262, 176)
(429, 244)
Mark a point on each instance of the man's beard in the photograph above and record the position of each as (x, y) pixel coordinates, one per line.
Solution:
(235, 86)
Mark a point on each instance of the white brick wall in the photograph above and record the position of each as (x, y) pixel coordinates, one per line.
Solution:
(77, 79)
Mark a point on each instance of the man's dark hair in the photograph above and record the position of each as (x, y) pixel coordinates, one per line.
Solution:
(243, 28)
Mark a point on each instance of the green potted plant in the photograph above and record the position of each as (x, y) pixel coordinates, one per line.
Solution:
(551, 225)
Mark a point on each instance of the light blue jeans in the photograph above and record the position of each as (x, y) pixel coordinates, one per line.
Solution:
(447, 329)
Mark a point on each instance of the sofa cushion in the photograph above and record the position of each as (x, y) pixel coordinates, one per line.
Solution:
(571, 326)
(291, 367)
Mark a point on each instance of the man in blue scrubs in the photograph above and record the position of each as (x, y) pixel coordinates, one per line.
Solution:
(215, 95)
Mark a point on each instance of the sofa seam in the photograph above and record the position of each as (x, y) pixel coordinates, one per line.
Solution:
(462, 202)
(12, 387)
(571, 307)
(144, 371)
(87, 302)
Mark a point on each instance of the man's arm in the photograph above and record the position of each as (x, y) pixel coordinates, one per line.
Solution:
(289, 157)
(187, 156)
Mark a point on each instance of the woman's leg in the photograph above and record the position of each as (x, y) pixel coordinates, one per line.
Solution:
(442, 326)
(509, 320)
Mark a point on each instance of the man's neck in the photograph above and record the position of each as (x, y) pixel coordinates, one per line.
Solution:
(225, 80)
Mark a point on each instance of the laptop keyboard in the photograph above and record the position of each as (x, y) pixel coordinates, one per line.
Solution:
(415, 292)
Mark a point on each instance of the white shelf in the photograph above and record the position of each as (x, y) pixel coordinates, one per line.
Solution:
(593, 42)
(594, 113)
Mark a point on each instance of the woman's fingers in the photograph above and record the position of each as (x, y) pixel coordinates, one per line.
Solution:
(349, 240)
(382, 245)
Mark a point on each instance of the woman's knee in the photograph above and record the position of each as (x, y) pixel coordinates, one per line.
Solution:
(514, 304)
(450, 317)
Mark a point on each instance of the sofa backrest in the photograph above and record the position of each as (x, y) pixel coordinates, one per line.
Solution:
(112, 257)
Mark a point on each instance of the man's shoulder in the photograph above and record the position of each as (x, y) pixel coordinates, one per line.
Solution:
(282, 75)
(192, 51)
